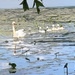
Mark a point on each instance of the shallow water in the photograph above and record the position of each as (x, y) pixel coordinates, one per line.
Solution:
(38, 54)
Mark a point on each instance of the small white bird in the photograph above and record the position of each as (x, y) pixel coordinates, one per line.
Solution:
(17, 34)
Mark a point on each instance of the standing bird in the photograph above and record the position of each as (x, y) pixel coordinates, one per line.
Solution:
(17, 34)
(66, 66)
(56, 54)
(48, 29)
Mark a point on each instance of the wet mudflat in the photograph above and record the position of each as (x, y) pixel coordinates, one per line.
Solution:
(38, 54)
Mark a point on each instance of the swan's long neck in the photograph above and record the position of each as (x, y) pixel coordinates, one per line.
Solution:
(14, 31)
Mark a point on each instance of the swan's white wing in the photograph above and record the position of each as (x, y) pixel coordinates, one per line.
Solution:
(20, 33)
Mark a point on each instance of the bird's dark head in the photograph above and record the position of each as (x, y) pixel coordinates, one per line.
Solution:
(38, 58)
(10, 63)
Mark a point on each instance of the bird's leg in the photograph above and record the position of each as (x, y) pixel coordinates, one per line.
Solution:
(15, 49)
(14, 46)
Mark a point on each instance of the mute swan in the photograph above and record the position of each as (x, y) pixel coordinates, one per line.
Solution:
(54, 28)
(17, 34)
(48, 29)
(59, 28)
(40, 30)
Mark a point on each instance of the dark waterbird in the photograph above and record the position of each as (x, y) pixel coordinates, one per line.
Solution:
(27, 59)
(13, 65)
(6, 41)
(66, 66)
(56, 54)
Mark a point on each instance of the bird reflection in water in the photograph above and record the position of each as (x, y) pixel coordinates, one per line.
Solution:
(13, 68)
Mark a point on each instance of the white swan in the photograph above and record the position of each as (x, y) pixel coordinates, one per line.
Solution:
(57, 28)
(48, 29)
(41, 30)
(54, 28)
(17, 34)
(60, 28)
